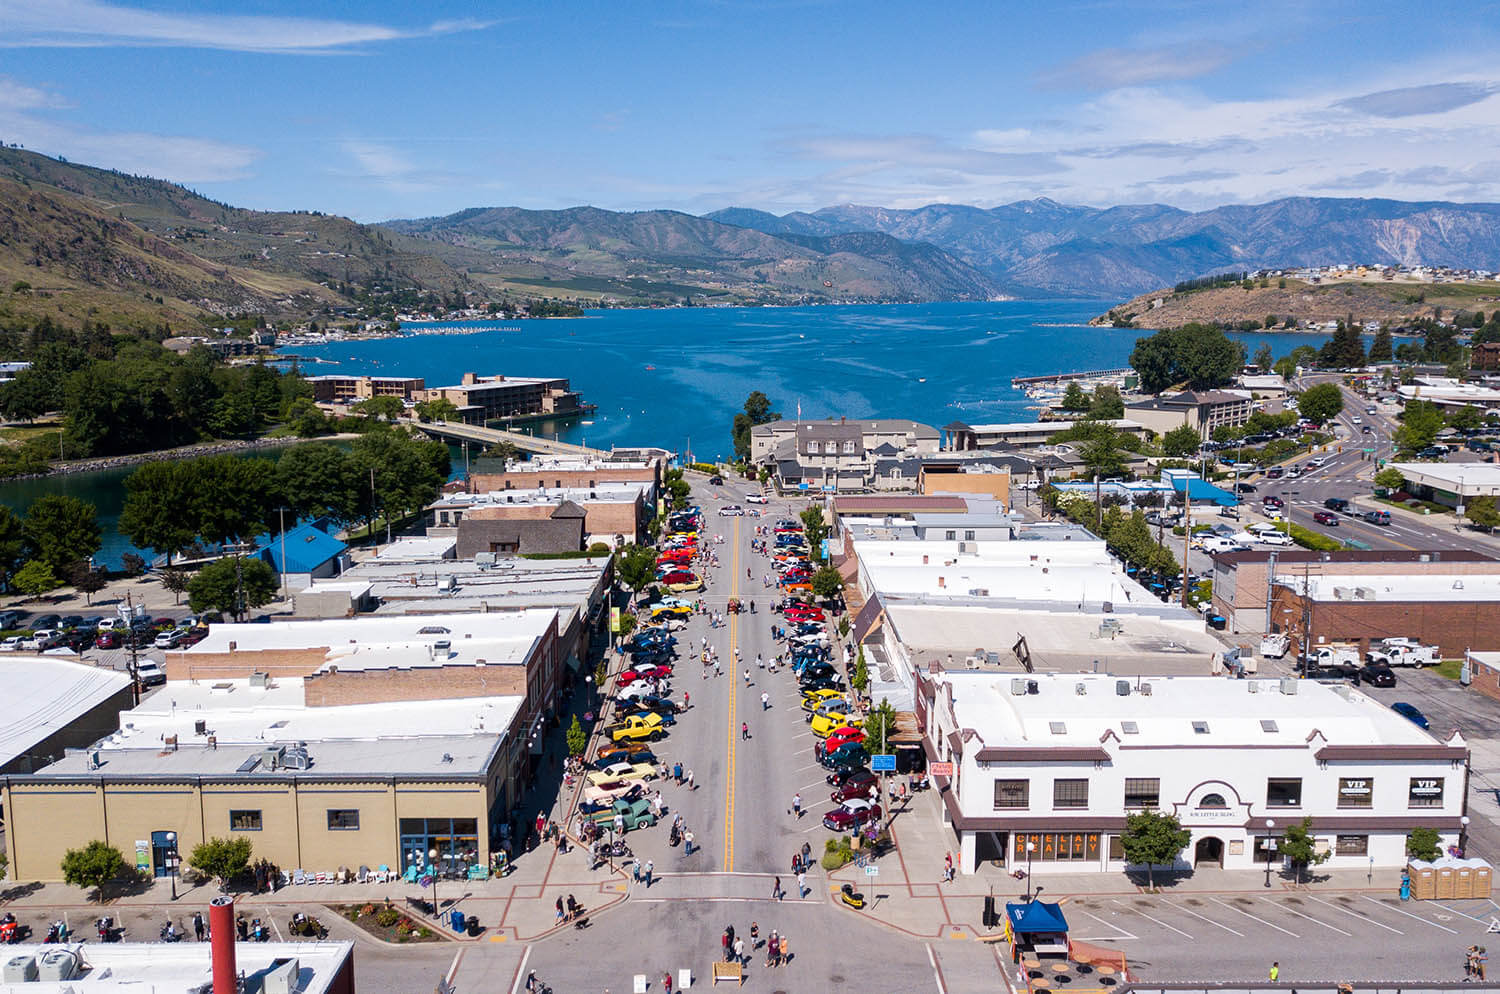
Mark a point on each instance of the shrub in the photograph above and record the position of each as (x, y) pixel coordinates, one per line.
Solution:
(386, 917)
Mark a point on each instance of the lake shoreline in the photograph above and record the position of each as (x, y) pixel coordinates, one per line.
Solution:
(93, 465)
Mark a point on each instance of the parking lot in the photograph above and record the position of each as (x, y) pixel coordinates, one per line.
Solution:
(1315, 937)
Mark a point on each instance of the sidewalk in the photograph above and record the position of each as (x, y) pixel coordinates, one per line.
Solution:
(908, 895)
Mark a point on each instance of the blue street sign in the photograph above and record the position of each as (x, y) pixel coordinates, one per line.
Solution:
(883, 763)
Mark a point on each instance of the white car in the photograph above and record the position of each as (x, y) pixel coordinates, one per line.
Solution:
(731, 511)
(757, 499)
(13, 644)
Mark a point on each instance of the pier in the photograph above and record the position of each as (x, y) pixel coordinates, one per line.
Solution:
(1022, 382)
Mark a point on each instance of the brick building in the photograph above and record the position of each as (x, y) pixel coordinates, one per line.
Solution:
(1242, 588)
(613, 512)
(559, 472)
(1455, 613)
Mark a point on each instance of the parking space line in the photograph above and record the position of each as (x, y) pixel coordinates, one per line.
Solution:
(1315, 921)
(1408, 914)
(804, 769)
(1364, 918)
(1209, 920)
(1455, 911)
(1158, 921)
(1247, 914)
(1122, 934)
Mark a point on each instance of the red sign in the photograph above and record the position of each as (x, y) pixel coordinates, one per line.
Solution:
(940, 769)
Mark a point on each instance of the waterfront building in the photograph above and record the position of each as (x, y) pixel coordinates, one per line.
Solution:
(54, 704)
(836, 455)
(610, 512)
(491, 398)
(1203, 410)
(345, 389)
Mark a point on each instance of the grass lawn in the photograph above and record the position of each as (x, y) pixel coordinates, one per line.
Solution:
(1408, 505)
(1449, 668)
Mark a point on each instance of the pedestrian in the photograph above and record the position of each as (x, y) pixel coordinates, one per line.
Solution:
(1275, 971)
(724, 945)
(1469, 957)
(747, 673)
(656, 804)
(687, 700)
(718, 667)
(760, 662)
(619, 824)
(801, 884)
(797, 805)
(796, 863)
(666, 982)
(783, 955)
(775, 890)
(729, 944)
(948, 867)
(646, 872)
(744, 729)
(691, 785)
(1479, 960)
(806, 856)
(677, 772)
(771, 947)
(559, 911)
(198, 925)
(635, 868)
(765, 701)
(687, 841)
(754, 936)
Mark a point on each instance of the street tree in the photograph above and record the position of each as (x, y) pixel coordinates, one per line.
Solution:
(578, 740)
(880, 725)
(176, 581)
(1073, 398)
(407, 472)
(1481, 513)
(61, 530)
(1152, 838)
(678, 487)
(814, 530)
(1300, 847)
(159, 514)
(1102, 456)
(438, 409)
(35, 579)
(1423, 844)
(1321, 403)
(1390, 479)
(379, 408)
(1420, 423)
(861, 678)
(219, 586)
(93, 866)
(222, 859)
(635, 565)
(1181, 442)
(827, 582)
(86, 580)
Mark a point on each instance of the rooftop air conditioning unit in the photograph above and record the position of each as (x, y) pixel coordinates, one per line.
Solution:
(57, 964)
(20, 969)
(1122, 688)
(1081, 689)
(1018, 687)
(297, 759)
(1365, 593)
(1032, 687)
(260, 681)
(1253, 686)
(271, 756)
(1146, 689)
(282, 978)
(1289, 686)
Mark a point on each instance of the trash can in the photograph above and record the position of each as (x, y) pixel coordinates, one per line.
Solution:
(456, 918)
(990, 919)
(472, 924)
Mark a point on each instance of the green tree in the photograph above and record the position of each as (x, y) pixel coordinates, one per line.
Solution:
(1345, 350)
(12, 543)
(320, 479)
(679, 489)
(1390, 479)
(1152, 838)
(814, 530)
(1102, 455)
(1073, 398)
(505, 451)
(635, 565)
(827, 582)
(408, 473)
(306, 419)
(1380, 347)
(1181, 442)
(1321, 403)
(93, 866)
(880, 726)
(86, 580)
(217, 586)
(757, 411)
(1200, 355)
(4, 864)
(1300, 847)
(61, 530)
(176, 581)
(235, 498)
(439, 409)
(160, 511)
(577, 739)
(1263, 354)
(1423, 844)
(379, 408)
(1481, 513)
(35, 579)
(861, 678)
(1420, 423)
(1106, 404)
(222, 859)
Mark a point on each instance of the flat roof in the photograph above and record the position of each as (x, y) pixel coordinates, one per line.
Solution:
(1473, 478)
(344, 635)
(1233, 714)
(1354, 588)
(897, 503)
(139, 967)
(44, 694)
(511, 583)
(604, 492)
(408, 549)
(1052, 427)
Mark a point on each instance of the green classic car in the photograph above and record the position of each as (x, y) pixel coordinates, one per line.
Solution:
(636, 813)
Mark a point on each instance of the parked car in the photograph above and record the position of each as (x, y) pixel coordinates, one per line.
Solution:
(169, 640)
(46, 621)
(852, 814)
(11, 619)
(1377, 676)
(70, 622)
(107, 638)
(633, 753)
(861, 784)
(150, 674)
(1410, 713)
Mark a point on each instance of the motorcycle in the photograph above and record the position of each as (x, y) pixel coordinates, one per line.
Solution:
(300, 924)
(56, 932)
(106, 929)
(258, 931)
(169, 933)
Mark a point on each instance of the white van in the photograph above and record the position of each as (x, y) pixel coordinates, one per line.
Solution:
(1219, 544)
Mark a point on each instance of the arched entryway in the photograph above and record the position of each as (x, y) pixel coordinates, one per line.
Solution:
(1209, 852)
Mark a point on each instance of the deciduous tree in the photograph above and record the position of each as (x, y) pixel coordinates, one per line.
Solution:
(1321, 403)
(61, 530)
(1481, 513)
(1423, 844)
(216, 587)
(635, 565)
(1152, 838)
(86, 580)
(221, 859)
(35, 579)
(93, 866)
(1300, 848)
(1181, 442)
(827, 582)
(160, 511)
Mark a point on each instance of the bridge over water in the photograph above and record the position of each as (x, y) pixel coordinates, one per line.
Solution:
(450, 431)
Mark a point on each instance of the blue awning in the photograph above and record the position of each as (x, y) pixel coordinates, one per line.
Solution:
(1201, 489)
(1036, 916)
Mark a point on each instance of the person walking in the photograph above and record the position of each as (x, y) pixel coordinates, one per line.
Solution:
(948, 867)
(687, 843)
(765, 700)
(728, 942)
(772, 945)
(760, 662)
(718, 667)
(797, 804)
(775, 890)
(646, 872)
(724, 945)
(782, 954)
(744, 729)
(559, 911)
(198, 925)
(801, 884)
(690, 784)
(739, 951)
(1275, 971)
(747, 676)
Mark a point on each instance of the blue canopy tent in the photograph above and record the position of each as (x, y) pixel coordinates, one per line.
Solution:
(1201, 489)
(1039, 927)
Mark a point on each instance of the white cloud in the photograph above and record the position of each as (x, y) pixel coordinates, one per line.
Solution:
(394, 170)
(1110, 68)
(90, 23)
(1433, 98)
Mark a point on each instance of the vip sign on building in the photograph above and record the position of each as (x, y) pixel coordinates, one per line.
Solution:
(1046, 768)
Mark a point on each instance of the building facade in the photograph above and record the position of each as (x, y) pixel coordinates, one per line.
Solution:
(1203, 410)
(491, 398)
(837, 455)
(335, 389)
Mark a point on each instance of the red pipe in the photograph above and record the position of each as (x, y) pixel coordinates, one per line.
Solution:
(221, 928)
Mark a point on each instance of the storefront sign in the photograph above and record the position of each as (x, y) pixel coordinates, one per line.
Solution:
(940, 769)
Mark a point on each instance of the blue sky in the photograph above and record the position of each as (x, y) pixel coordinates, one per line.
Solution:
(380, 109)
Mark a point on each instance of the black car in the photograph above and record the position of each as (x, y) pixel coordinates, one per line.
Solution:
(1377, 675)
(817, 671)
(1245, 488)
(1338, 504)
(612, 756)
(79, 641)
(849, 756)
(716, 481)
(639, 705)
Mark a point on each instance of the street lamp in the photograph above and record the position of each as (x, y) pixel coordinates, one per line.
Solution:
(172, 860)
(1463, 835)
(589, 682)
(1270, 848)
(432, 855)
(1030, 848)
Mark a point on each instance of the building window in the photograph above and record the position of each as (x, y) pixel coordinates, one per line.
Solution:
(1425, 792)
(1142, 792)
(343, 819)
(1265, 849)
(849, 447)
(812, 448)
(1356, 792)
(1012, 794)
(1050, 847)
(1116, 847)
(244, 821)
(1070, 793)
(950, 535)
(1284, 792)
(1351, 845)
(969, 535)
(1213, 802)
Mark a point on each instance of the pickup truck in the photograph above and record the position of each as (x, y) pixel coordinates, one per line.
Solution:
(1403, 652)
(635, 814)
(637, 728)
(1331, 656)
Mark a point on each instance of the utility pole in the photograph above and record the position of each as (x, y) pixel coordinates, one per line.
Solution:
(281, 519)
(372, 503)
(1187, 532)
(1270, 587)
(135, 684)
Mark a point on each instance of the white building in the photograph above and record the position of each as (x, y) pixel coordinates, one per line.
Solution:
(1059, 767)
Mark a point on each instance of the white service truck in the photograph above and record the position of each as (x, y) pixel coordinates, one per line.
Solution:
(1403, 652)
(1325, 656)
(1274, 646)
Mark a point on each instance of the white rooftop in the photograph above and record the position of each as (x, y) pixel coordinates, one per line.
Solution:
(605, 491)
(44, 694)
(1013, 427)
(1356, 588)
(1232, 715)
(1475, 478)
(148, 967)
(345, 635)
(416, 549)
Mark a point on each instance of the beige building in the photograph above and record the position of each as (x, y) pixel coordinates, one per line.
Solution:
(490, 398)
(353, 389)
(612, 512)
(837, 454)
(1204, 410)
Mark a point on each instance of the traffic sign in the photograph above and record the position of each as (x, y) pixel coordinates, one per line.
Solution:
(940, 769)
(871, 870)
(883, 762)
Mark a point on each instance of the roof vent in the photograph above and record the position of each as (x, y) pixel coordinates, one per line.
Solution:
(1146, 689)
(1018, 687)
(1081, 689)
(1289, 686)
(1122, 688)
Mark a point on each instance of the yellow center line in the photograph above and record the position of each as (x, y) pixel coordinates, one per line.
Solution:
(734, 588)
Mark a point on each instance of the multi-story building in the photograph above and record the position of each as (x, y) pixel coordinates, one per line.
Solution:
(1454, 613)
(1046, 768)
(1203, 410)
(838, 454)
(491, 398)
(336, 389)
(610, 512)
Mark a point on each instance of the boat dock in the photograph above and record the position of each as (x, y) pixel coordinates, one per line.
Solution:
(1057, 379)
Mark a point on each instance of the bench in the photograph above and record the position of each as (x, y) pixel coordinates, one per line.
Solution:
(729, 971)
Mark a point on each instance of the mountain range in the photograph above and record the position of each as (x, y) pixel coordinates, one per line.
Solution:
(83, 242)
